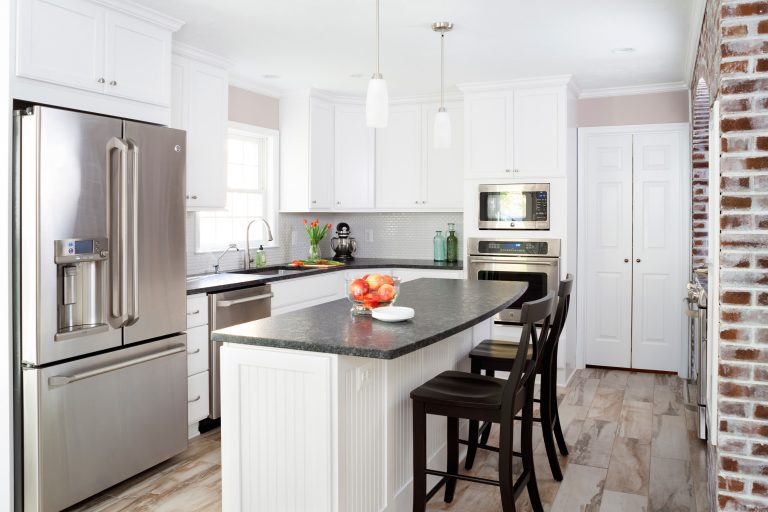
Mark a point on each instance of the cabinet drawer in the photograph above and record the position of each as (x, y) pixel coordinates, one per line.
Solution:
(197, 349)
(197, 397)
(197, 310)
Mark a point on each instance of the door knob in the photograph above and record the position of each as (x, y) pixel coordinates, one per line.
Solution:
(626, 260)
(638, 260)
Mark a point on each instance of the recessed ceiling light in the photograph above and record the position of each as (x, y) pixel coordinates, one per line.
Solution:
(623, 51)
(270, 76)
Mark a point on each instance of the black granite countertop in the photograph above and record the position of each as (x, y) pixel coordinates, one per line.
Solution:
(211, 283)
(443, 307)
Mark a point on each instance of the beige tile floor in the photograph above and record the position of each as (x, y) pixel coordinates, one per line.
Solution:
(632, 448)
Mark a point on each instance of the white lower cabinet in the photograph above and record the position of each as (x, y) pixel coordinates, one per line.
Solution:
(303, 292)
(197, 360)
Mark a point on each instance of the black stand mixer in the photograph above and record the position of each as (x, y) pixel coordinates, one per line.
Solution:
(342, 244)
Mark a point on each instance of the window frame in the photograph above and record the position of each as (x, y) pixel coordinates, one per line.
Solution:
(270, 183)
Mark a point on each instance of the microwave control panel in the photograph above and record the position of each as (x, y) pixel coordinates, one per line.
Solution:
(540, 206)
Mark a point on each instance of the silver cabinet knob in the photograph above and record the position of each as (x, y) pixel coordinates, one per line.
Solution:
(626, 260)
(191, 197)
(338, 202)
(423, 202)
(507, 170)
(112, 82)
(416, 202)
(314, 202)
(101, 80)
(638, 260)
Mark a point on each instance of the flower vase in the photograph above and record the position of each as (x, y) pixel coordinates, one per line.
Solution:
(314, 252)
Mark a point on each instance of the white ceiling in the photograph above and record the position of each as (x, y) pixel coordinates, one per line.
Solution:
(320, 43)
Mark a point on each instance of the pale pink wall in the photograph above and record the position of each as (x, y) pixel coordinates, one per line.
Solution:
(662, 107)
(253, 108)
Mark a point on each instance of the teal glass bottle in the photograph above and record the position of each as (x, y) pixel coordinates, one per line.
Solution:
(438, 244)
(452, 244)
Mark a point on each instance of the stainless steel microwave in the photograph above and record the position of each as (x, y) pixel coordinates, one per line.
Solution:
(517, 206)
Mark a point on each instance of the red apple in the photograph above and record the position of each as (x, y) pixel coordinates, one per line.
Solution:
(374, 281)
(386, 292)
(358, 288)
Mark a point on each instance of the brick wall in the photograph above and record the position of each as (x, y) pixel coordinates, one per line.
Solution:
(700, 174)
(743, 337)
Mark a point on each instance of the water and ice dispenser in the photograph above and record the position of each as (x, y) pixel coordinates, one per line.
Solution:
(81, 271)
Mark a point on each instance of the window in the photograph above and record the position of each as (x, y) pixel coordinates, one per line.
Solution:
(251, 192)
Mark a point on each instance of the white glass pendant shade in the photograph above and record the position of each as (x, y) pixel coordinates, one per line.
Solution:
(442, 130)
(377, 103)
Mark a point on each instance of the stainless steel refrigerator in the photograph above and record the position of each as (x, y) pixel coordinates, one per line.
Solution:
(99, 297)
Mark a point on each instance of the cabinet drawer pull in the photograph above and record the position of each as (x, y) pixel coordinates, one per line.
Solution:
(112, 82)
(101, 80)
(196, 351)
(194, 399)
(193, 197)
(507, 170)
(195, 312)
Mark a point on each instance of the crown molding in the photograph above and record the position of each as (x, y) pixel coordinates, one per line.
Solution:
(501, 85)
(192, 52)
(632, 90)
(249, 85)
(426, 98)
(144, 13)
(696, 22)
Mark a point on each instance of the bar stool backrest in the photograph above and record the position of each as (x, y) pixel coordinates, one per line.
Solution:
(523, 369)
(548, 354)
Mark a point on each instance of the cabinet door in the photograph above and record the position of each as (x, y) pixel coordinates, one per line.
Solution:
(61, 41)
(138, 60)
(487, 132)
(179, 93)
(320, 154)
(608, 204)
(659, 242)
(444, 168)
(398, 159)
(353, 158)
(538, 133)
(206, 137)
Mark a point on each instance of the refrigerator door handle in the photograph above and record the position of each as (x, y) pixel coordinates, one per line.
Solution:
(133, 316)
(117, 263)
(63, 380)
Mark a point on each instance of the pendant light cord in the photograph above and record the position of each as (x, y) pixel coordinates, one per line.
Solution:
(442, 69)
(378, 45)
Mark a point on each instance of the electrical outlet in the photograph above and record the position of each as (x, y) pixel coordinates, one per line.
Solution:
(369, 235)
(363, 376)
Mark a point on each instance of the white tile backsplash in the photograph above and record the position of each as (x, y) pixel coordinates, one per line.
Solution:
(395, 235)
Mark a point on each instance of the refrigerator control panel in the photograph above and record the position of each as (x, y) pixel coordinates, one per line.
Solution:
(74, 250)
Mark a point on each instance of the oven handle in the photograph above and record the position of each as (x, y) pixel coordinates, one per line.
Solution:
(515, 260)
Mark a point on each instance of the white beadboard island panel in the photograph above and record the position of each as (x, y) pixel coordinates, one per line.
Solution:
(307, 431)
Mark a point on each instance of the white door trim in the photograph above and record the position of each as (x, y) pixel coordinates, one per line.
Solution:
(685, 236)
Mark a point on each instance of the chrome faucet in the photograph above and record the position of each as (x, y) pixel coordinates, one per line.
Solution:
(248, 259)
(218, 260)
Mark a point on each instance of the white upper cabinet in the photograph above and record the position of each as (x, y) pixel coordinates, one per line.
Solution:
(487, 134)
(200, 106)
(399, 159)
(538, 133)
(516, 133)
(86, 46)
(444, 168)
(138, 60)
(320, 154)
(410, 172)
(62, 42)
(353, 158)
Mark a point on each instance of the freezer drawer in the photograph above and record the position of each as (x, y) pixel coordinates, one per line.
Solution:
(91, 423)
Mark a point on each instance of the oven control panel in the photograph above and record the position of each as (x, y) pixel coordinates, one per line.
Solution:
(513, 247)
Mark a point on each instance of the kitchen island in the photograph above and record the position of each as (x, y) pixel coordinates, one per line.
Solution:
(316, 414)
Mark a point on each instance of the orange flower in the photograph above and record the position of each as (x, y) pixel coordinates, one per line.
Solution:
(329, 226)
(305, 222)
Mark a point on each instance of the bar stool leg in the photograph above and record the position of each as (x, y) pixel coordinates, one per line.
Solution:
(474, 428)
(419, 457)
(506, 478)
(452, 447)
(545, 412)
(486, 433)
(526, 446)
(559, 435)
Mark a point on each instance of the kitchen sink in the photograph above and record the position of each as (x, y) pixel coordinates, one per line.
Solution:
(274, 271)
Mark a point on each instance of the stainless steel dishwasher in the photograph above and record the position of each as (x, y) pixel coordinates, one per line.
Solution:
(228, 309)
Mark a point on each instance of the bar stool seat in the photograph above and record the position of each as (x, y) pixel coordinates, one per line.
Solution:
(462, 389)
(498, 349)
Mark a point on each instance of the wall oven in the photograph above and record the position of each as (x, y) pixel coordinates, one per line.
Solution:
(514, 206)
(533, 261)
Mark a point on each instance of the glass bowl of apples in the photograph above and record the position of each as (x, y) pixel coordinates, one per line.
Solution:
(372, 291)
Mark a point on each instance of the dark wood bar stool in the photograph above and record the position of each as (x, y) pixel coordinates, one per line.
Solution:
(481, 398)
(495, 355)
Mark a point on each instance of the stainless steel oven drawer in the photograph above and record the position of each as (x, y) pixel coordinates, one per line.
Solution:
(91, 423)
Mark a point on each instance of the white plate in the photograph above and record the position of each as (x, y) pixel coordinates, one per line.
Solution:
(393, 314)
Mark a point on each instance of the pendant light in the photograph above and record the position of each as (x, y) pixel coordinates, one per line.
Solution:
(442, 128)
(377, 98)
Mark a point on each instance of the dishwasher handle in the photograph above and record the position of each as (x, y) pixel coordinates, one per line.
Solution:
(63, 380)
(228, 303)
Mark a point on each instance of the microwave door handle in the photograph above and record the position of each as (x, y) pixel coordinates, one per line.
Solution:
(118, 297)
(133, 252)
